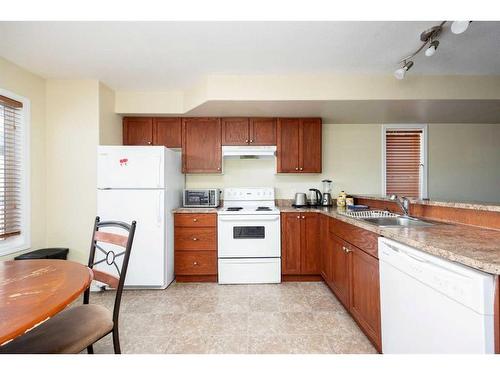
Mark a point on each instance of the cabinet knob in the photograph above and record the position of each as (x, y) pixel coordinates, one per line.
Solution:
(195, 263)
(195, 239)
(301, 168)
(149, 142)
(195, 220)
(246, 140)
(298, 217)
(218, 168)
(251, 140)
(297, 168)
(303, 217)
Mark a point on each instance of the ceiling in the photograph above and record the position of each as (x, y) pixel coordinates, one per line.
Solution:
(176, 55)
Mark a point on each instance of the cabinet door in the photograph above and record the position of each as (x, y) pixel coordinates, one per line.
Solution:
(310, 146)
(288, 145)
(235, 132)
(201, 145)
(167, 132)
(290, 243)
(310, 257)
(137, 131)
(365, 292)
(326, 250)
(340, 270)
(263, 131)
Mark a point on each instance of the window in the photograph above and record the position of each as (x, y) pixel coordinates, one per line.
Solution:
(14, 198)
(404, 160)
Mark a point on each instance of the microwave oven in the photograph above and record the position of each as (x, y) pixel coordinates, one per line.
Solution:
(201, 197)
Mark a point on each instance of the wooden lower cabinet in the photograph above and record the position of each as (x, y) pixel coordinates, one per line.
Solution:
(195, 247)
(340, 269)
(353, 276)
(364, 286)
(300, 248)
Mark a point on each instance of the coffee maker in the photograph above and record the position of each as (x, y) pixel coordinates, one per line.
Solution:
(327, 193)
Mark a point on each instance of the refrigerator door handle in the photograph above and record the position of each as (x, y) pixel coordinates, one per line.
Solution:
(160, 165)
(158, 218)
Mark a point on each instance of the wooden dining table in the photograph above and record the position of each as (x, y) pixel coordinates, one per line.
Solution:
(31, 291)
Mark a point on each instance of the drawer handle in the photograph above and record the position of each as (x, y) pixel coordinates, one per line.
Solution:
(195, 239)
(195, 220)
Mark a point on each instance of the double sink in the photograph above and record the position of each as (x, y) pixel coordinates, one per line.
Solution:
(387, 219)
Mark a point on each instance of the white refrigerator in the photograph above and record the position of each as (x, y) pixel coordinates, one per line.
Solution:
(141, 183)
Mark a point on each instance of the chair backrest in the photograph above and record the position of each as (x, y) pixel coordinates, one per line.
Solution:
(109, 257)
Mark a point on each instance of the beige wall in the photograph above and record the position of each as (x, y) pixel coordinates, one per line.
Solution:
(464, 164)
(110, 124)
(31, 86)
(72, 137)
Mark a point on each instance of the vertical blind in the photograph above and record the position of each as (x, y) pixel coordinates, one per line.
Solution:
(403, 158)
(10, 167)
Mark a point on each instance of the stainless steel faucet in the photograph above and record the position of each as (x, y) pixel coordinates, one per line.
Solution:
(403, 202)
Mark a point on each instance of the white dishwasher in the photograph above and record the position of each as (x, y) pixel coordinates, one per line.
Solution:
(431, 305)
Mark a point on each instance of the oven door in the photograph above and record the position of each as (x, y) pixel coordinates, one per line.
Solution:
(249, 236)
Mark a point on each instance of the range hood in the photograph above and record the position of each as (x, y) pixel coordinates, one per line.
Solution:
(249, 152)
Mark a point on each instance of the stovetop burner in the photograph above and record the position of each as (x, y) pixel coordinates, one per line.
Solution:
(263, 209)
(234, 208)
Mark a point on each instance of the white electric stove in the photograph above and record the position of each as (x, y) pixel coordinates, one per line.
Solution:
(249, 243)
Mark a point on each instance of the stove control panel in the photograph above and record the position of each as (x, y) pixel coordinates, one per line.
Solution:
(248, 194)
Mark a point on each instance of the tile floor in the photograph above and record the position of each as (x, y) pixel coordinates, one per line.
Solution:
(212, 318)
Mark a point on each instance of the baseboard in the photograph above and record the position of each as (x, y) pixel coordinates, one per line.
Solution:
(301, 278)
(196, 279)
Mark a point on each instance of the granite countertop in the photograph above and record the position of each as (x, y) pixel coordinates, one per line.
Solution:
(471, 246)
(192, 210)
(473, 205)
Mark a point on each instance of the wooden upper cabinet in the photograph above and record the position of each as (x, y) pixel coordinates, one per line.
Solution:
(365, 293)
(235, 131)
(167, 131)
(288, 145)
(299, 145)
(310, 146)
(201, 145)
(290, 243)
(263, 131)
(137, 131)
(310, 261)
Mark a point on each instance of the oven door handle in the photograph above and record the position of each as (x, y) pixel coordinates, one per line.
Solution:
(248, 219)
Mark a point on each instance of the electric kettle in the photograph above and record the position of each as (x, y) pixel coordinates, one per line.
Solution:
(316, 198)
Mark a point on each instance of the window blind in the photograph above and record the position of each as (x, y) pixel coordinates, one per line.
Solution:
(10, 167)
(403, 158)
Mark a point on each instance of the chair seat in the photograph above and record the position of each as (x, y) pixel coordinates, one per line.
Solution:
(70, 331)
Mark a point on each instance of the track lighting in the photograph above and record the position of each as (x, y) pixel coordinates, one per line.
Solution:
(432, 48)
(458, 27)
(401, 72)
(429, 39)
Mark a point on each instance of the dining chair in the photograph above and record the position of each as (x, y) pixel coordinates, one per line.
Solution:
(78, 328)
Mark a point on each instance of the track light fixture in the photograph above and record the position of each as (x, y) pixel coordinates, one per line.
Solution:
(429, 39)
(401, 72)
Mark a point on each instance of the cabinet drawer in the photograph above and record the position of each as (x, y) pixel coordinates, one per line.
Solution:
(195, 238)
(195, 220)
(196, 263)
(364, 239)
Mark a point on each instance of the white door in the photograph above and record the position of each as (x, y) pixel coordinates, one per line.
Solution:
(130, 167)
(147, 207)
(248, 236)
